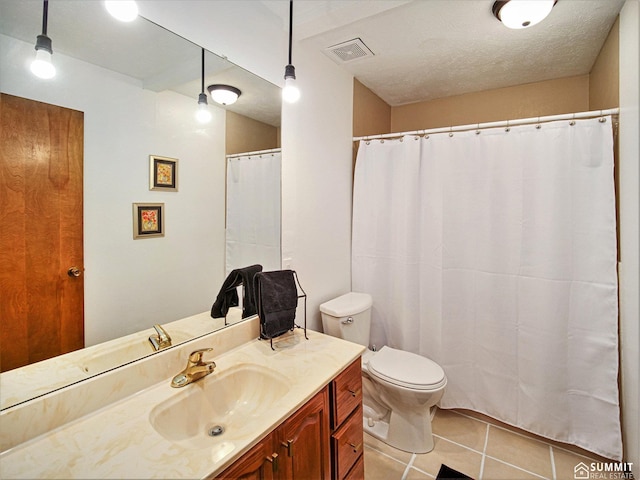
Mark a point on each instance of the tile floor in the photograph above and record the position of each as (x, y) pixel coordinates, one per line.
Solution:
(479, 447)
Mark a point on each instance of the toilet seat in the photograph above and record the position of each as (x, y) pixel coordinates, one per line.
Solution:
(406, 369)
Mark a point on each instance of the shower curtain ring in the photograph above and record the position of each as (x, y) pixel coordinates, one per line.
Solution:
(451, 131)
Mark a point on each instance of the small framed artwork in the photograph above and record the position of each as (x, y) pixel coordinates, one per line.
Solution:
(148, 220)
(163, 173)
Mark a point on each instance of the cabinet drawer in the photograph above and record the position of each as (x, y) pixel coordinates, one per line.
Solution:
(346, 393)
(347, 444)
(357, 472)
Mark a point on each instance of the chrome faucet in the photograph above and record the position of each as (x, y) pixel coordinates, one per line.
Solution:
(196, 369)
(161, 340)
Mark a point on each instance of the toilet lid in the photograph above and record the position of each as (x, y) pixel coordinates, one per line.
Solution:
(406, 369)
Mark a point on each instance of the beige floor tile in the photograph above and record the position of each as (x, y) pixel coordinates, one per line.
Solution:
(380, 467)
(524, 452)
(373, 442)
(460, 429)
(455, 456)
(414, 474)
(495, 470)
(566, 461)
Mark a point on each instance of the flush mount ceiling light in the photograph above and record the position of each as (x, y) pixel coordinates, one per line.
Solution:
(224, 94)
(518, 14)
(41, 65)
(290, 92)
(123, 10)
(203, 115)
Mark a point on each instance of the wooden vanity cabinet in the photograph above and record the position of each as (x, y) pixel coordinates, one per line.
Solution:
(347, 437)
(297, 449)
(321, 440)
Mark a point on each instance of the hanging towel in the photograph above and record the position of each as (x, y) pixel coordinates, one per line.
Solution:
(228, 296)
(276, 299)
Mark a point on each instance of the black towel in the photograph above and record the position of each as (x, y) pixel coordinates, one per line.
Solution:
(276, 299)
(228, 296)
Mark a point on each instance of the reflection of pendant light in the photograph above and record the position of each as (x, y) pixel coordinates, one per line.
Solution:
(123, 10)
(224, 94)
(290, 92)
(203, 115)
(522, 13)
(42, 66)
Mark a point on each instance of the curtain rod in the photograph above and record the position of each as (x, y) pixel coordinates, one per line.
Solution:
(257, 152)
(502, 123)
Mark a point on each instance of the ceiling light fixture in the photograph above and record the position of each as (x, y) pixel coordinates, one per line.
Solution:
(203, 115)
(290, 92)
(519, 14)
(42, 66)
(224, 94)
(123, 10)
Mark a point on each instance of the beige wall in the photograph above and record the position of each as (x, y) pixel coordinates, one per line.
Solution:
(371, 115)
(563, 95)
(244, 134)
(604, 78)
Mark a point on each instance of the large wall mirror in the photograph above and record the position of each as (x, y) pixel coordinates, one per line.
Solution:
(137, 85)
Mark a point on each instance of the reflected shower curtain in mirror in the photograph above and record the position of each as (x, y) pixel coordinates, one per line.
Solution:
(253, 211)
(494, 254)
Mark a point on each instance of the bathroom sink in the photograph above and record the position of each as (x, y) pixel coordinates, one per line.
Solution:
(221, 406)
(113, 354)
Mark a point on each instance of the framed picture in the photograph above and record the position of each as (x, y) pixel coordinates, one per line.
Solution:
(148, 220)
(163, 173)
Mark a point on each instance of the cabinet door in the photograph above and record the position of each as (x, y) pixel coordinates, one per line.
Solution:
(259, 463)
(303, 441)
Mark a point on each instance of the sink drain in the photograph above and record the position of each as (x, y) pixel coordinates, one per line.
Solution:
(215, 431)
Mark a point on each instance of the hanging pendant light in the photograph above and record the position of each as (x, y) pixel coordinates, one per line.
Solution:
(42, 66)
(123, 10)
(203, 115)
(290, 92)
(519, 14)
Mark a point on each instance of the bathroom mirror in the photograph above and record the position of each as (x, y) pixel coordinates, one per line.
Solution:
(138, 86)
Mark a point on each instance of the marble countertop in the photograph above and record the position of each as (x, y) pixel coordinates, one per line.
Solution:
(119, 440)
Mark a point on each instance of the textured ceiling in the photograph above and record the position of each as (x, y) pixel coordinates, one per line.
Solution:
(426, 49)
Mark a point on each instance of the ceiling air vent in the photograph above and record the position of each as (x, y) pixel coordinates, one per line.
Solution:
(348, 51)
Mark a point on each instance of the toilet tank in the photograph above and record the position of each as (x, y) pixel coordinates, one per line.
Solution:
(348, 317)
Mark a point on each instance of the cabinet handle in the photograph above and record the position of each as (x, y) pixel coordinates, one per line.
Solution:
(289, 446)
(273, 460)
(355, 446)
(353, 392)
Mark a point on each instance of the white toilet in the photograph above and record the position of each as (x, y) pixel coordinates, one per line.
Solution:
(399, 388)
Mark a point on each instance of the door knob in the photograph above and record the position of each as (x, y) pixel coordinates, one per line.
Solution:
(74, 272)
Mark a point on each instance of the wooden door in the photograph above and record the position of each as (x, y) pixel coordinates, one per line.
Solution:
(41, 165)
(304, 441)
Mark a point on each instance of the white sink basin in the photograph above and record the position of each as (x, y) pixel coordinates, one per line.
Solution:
(227, 400)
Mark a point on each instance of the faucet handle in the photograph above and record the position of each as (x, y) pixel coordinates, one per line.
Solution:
(196, 356)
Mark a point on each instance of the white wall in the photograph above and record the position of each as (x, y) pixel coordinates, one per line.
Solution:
(132, 284)
(629, 267)
(316, 178)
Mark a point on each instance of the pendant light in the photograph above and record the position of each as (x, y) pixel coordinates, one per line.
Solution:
(290, 92)
(203, 115)
(519, 14)
(123, 10)
(42, 66)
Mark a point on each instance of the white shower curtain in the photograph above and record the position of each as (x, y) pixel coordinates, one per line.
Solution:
(494, 254)
(253, 211)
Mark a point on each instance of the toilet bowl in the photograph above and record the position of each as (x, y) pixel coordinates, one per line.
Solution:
(399, 387)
